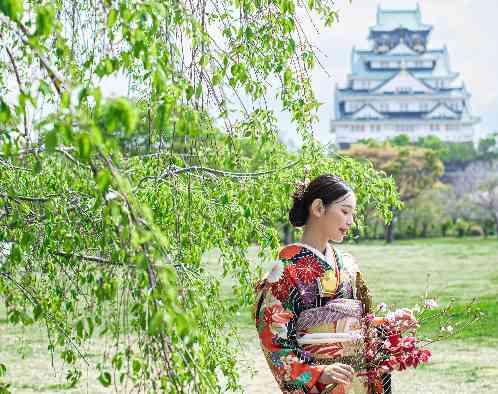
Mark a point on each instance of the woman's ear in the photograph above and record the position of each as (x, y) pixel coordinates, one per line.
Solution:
(317, 209)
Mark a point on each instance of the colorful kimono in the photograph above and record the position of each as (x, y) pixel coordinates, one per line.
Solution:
(308, 295)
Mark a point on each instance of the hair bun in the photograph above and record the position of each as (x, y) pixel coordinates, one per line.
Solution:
(326, 187)
(298, 214)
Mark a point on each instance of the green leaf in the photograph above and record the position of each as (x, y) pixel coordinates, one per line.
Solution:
(117, 361)
(156, 324)
(80, 329)
(51, 140)
(136, 365)
(12, 8)
(112, 18)
(104, 179)
(65, 99)
(90, 325)
(85, 146)
(105, 379)
(5, 114)
(119, 114)
(68, 356)
(44, 19)
(189, 92)
(15, 254)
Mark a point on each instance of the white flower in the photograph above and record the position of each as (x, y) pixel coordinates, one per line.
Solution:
(390, 317)
(448, 329)
(430, 304)
(111, 195)
(276, 272)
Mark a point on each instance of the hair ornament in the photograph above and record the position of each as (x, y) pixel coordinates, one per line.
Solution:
(301, 189)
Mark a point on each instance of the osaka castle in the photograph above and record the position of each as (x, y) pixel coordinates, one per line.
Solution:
(402, 86)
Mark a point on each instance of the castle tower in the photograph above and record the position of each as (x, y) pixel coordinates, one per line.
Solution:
(400, 86)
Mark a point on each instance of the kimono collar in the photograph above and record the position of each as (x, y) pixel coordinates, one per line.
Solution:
(329, 253)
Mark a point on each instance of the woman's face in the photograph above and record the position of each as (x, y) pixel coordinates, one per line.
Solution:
(337, 218)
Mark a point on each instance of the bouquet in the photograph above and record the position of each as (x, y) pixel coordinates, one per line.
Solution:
(374, 346)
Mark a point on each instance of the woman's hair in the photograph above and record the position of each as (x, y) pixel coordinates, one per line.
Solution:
(328, 188)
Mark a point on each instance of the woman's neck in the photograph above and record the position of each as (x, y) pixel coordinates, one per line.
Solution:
(314, 239)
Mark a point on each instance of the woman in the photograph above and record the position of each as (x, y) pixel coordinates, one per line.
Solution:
(310, 293)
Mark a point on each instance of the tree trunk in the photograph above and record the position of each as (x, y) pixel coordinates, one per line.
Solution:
(375, 230)
(287, 234)
(496, 223)
(389, 232)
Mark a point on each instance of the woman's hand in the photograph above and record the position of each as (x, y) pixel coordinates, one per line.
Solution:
(337, 373)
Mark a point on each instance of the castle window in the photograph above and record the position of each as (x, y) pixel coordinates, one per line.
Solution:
(404, 89)
(452, 127)
(358, 127)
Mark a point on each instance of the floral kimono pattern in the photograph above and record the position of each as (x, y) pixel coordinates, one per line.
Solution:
(301, 282)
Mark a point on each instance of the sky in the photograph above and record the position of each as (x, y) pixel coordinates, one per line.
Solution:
(468, 28)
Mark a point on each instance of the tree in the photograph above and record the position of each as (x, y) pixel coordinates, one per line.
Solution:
(108, 203)
(488, 147)
(426, 212)
(478, 183)
(400, 140)
(414, 169)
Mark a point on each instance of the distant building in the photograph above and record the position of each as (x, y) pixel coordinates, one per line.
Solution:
(400, 86)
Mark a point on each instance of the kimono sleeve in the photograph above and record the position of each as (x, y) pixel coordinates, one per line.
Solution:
(276, 317)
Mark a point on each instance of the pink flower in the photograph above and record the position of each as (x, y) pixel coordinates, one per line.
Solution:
(430, 304)
(370, 317)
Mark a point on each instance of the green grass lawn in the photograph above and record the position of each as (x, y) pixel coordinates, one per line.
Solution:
(461, 270)
(398, 274)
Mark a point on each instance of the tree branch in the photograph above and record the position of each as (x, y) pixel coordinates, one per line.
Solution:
(18, 78)
(55, 77)
(28, 198)
(95, 259)
(174, 170)
(32, 299)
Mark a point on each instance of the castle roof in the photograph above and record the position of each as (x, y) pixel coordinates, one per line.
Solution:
(439, 57)
(390, 20)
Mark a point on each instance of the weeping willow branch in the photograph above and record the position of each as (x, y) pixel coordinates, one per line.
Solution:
(95, 259)
(27, 198)
(174, 170)
(48, 317)
(21, 89)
